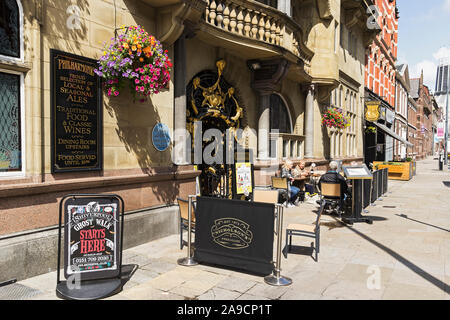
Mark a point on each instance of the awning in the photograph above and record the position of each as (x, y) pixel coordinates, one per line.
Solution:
(392, 134)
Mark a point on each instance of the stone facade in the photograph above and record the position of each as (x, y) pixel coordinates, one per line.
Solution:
(295, 58)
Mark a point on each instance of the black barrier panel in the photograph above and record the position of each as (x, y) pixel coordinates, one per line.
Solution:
(367, 192)
(380, 183)
(233, 233)
(385, 180)
(374, 187)
(357, 194)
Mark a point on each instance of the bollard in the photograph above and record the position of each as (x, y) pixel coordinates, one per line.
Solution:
(276, 279)
(189, 260)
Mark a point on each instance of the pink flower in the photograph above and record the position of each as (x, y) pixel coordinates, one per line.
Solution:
(116, 93)
(136, 81)
(142, 89)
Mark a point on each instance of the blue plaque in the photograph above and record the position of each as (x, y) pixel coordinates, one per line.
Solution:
(161, 137)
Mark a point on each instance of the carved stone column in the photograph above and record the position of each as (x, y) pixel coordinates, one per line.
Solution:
(180, 132)
(309, 121)
(285, 6)
(266, 78)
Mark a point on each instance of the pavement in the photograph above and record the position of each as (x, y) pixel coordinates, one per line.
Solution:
(404, 254)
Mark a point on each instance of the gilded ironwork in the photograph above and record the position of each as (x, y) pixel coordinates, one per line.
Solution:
(212, 96)
(212, 100)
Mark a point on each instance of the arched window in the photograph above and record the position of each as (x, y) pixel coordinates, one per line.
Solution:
(10, 28)
(279, 115)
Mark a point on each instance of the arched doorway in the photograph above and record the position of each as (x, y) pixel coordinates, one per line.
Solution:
(212, 101)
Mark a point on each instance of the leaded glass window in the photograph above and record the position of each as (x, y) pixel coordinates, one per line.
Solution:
(9, 28)
(10, 131)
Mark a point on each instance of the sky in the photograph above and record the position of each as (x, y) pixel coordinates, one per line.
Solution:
(424, 36)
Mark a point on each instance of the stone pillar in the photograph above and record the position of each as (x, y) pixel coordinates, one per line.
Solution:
(180, 133)
(264, 126)
(285, 6)
(309, 122)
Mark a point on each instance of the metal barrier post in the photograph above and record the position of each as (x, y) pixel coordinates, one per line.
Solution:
(276, 279)
(189, 260)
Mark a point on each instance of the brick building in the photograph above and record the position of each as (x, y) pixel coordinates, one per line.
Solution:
(424, 118)
(381, 57)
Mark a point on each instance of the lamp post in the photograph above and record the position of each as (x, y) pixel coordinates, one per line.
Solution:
(446, 117)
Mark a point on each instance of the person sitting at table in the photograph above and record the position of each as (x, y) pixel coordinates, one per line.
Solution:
(332, 176)
(286, 173)
(300, 170)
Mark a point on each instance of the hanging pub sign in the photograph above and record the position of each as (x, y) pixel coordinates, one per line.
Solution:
(372, 110)
(76, 113)
(92, 238)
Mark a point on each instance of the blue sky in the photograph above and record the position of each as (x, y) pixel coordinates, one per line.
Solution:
(424, 36)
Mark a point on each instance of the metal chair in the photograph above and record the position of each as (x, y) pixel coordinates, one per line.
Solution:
(184, 218)
(282, 185)
(306, 230)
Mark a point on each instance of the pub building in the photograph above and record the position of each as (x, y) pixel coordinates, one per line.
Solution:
(258, 66)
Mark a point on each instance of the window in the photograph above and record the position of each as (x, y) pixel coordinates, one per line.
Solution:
(11, 129)
(279, 115)
(10, 29)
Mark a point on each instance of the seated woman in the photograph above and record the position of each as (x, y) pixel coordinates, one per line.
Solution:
(286, 173)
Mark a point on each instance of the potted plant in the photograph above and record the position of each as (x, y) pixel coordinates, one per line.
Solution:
(135, 59)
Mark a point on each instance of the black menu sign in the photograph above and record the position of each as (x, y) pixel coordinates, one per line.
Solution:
(92, 238)
(76, 113)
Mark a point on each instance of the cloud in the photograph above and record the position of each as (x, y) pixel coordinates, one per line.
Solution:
(444, 52)
(447, 5)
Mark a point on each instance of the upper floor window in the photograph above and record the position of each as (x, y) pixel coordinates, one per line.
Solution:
(279, 115)
(10, 28)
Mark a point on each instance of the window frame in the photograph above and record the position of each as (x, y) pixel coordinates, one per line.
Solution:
(21, 42)
(21, 173)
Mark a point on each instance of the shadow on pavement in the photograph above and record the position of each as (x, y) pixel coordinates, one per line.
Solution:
(419, 271)
(406, 217)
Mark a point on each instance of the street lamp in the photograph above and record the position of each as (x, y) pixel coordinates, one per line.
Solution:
(446, 117)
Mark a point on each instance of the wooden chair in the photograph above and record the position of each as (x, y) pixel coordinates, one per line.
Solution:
(331, 194)
(306, 230)
(184, 218)
(266, 196)
(282, 185)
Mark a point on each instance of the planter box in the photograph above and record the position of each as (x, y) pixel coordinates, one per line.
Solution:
(397, 170)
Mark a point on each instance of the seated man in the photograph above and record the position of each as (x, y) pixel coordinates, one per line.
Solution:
(332, 176)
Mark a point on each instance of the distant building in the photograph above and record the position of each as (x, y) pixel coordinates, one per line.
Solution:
(424, 99)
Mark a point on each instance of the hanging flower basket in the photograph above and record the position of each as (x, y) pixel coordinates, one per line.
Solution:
(135, 59)
(334, 118)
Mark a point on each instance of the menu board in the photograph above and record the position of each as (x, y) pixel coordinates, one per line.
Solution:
(357, 172)
(76, 106)
(91, 238)
(243, 178)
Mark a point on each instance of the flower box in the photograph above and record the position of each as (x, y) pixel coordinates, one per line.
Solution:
(396, 170)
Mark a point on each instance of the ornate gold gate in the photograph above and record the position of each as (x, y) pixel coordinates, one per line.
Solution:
(211, 100)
